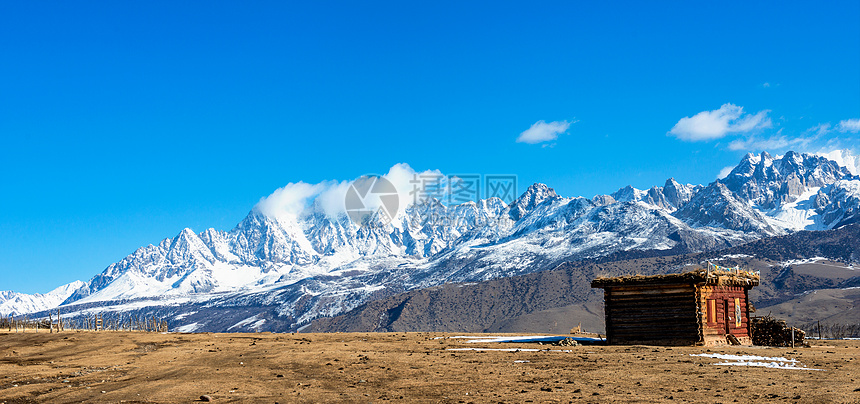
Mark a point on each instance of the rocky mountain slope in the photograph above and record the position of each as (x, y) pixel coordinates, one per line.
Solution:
(280, 270)
(807, 276)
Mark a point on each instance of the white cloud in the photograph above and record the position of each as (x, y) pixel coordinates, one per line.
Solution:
(844, 126)
(822, 139)
(290, 200)
(404, 178)
(844, 158)
(849, 125)
(296, 199)
(772, 144)
(832, 143)
(542, 131)
(820, 129)
(708, 125)
(766, 85)
(332, 197)
(725, 171)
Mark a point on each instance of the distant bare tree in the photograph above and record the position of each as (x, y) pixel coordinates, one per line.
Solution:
(833, 330)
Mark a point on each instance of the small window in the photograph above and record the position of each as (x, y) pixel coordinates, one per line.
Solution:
(712, 311)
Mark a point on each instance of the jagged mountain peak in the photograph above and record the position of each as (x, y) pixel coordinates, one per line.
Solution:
(187, 247)
(754, 159)
(670, 182)
(254, 219)
(186, 239)
(671, 196)
(535, 195)
(768, 182)
(717, 206)
(603, 200)
(627, 194)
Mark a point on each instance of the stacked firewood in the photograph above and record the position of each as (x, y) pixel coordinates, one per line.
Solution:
(769, 331)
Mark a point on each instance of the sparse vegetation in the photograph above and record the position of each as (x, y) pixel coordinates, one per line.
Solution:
(94, 323)
(832, 330)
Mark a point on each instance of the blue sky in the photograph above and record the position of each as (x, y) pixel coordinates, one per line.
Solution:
(124, 122)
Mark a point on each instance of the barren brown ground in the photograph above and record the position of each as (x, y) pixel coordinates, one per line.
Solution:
(370, 367)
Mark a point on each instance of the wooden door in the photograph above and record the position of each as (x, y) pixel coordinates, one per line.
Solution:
(726, 313)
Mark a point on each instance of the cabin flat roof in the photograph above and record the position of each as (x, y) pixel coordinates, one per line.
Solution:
(699, 276)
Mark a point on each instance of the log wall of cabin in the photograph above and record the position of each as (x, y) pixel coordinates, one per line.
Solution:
(662, 315)
(714, 300)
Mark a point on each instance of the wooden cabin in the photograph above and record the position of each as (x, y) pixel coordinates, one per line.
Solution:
(707, 306)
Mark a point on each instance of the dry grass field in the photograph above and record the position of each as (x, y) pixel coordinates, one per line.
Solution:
(134, 367)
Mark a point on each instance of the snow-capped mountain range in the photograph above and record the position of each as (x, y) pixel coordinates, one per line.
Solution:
(17, 303)
(278, 272)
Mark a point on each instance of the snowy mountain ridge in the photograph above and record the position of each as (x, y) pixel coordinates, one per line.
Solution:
(312, 263)
(19, 303)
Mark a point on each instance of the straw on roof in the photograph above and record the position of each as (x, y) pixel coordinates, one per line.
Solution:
(735, 277)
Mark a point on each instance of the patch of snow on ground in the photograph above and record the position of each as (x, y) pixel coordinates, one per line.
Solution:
(745, 357)
(188, 327)
(737, 256)
(818, 261)
(773, 362)
(812, 260)
(772, 365)
(183, 315)
(510, 349)
(526, 338)
(253, 319)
